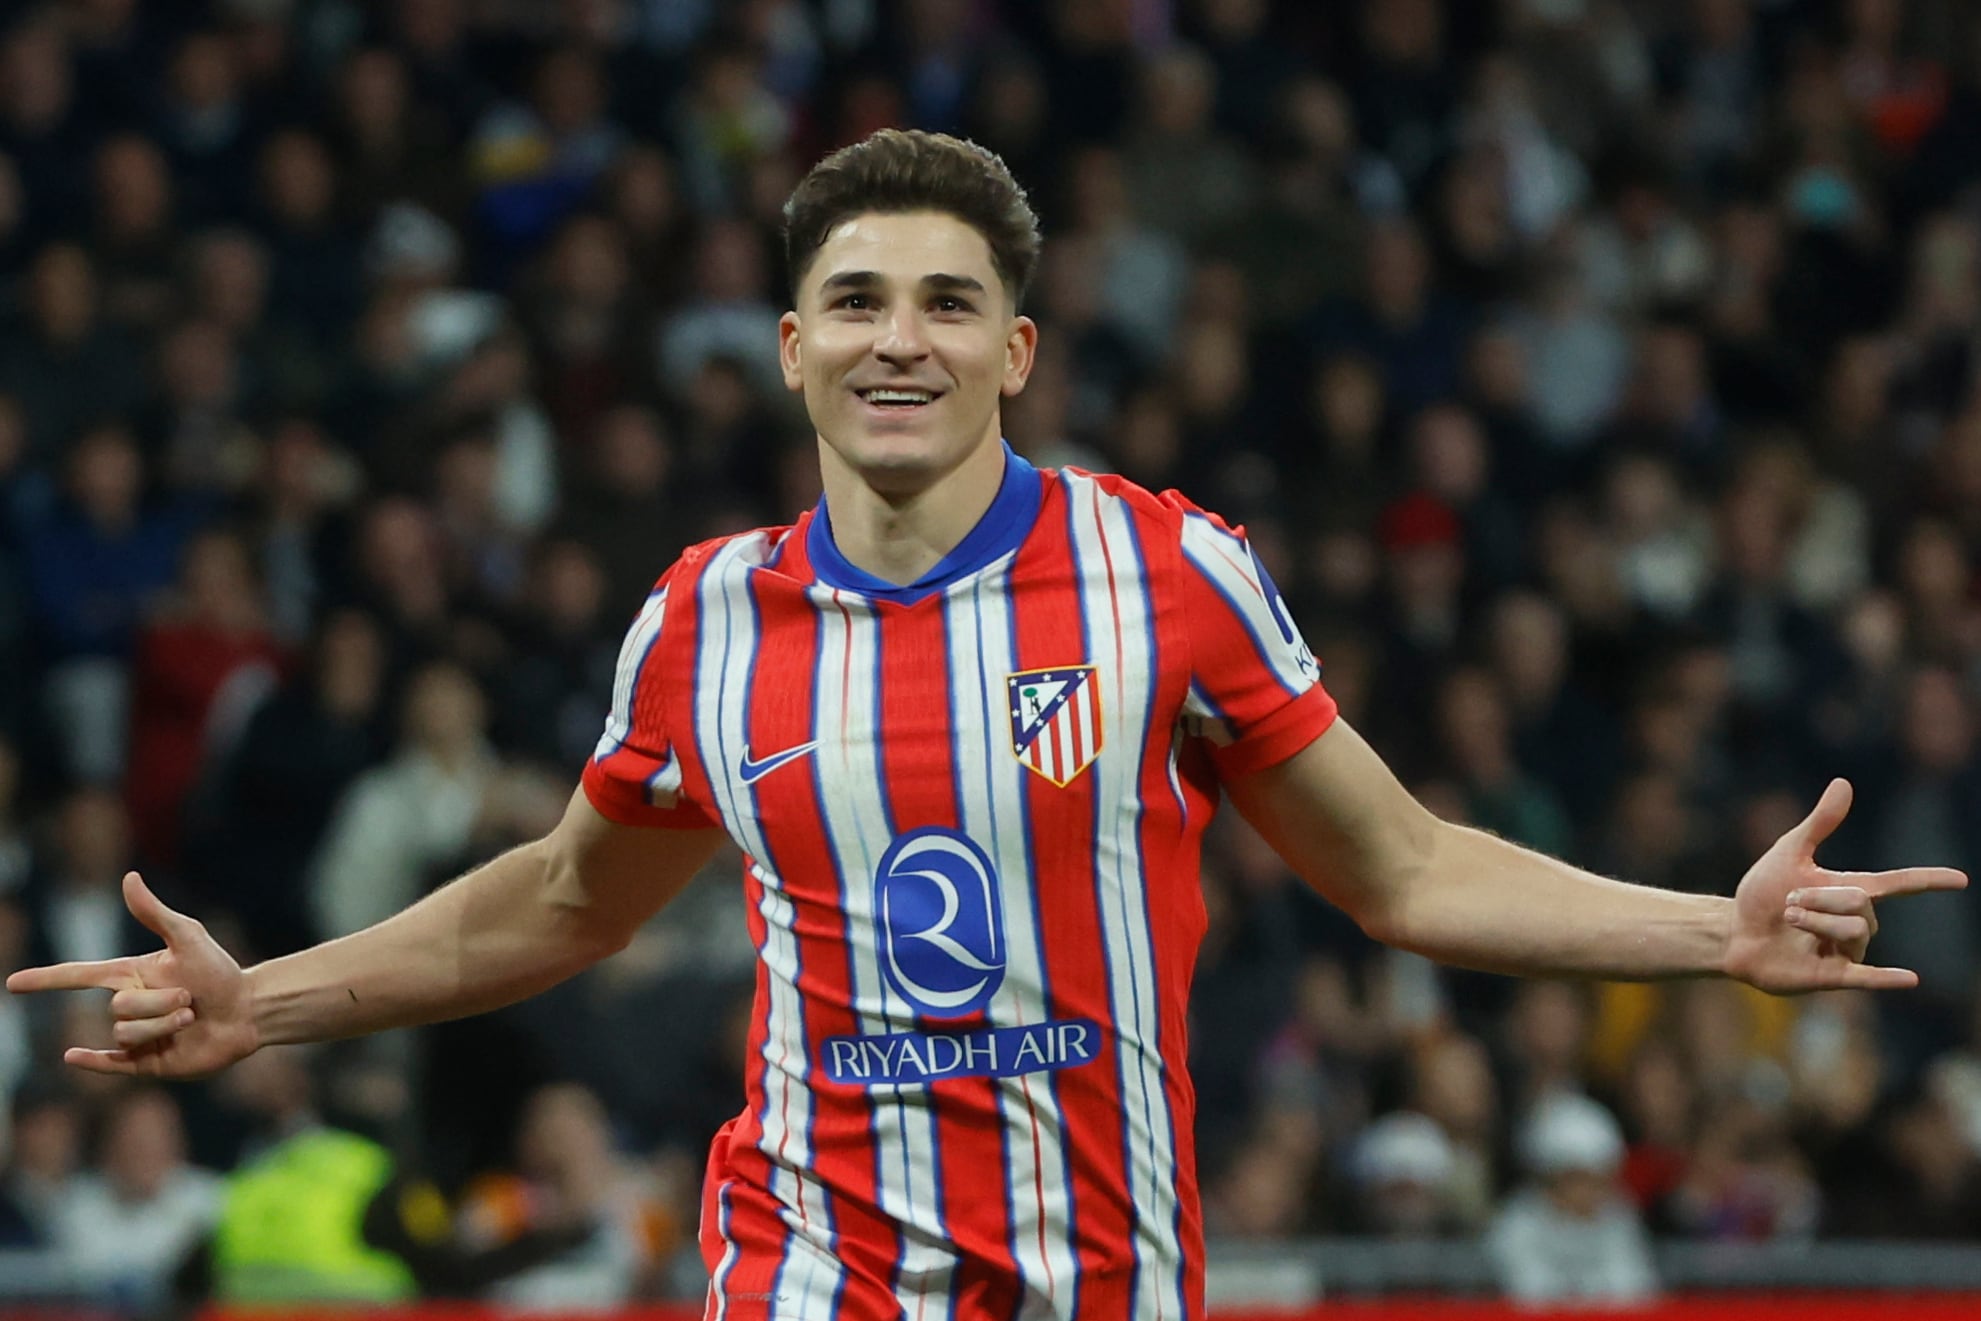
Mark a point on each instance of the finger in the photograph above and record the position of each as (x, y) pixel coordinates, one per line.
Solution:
(131, 1033)
(132, 1002)
(104, 974)
(149, 909)
(1831, 899)
(1825, 817)
(1846, 929)
(1868, 977)
(1905, 880)
(100, 1061)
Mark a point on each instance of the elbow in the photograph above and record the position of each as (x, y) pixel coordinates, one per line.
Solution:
(1385, 922)
(593, 940)
(603, 941)
(1396, 900)
(583, 934)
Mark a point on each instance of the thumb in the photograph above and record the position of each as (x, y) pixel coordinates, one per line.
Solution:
(1825, 817)
(149, 909)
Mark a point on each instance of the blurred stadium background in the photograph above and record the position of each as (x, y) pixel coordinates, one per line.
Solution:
(1597, 375)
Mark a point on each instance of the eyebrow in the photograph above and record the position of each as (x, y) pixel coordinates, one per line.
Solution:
(939, 282)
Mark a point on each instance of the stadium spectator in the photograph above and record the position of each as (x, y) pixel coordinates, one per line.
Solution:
(587, 323)
(1452, 1084)
(536, 160)
(1186, 177)
(1404, 1173)
(64, 365)
(43, 131)
(321, 1214)
(643, 197)
(1142, 273)
(126, 1226)
(1563, 735)
(1665, 545)
(627, 491)
(1570, 1236)
(390, 146)
(93, 567)
(276, 789)
(1478, 749)
(1931, 788)
(134, 235)
(73, 892)
(1908, 1174)
(569, 1171)
(402, 825)
(1451, 460)
(564, 660)
(728, 315)
(200, 668)
(298, 521)
(207, 123)
(44, 1154)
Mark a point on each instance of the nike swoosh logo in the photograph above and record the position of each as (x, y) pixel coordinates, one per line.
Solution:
(752, 771)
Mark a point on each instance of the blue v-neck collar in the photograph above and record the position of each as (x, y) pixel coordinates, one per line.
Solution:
(1010, 517)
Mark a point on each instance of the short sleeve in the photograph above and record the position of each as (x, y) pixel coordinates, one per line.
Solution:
(1255, 688)
(633, 776)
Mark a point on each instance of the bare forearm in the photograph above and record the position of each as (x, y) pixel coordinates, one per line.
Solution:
(1338, 815)
(1482, 902)
(504, 931)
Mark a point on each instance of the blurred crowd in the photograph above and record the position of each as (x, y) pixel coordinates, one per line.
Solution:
(1597, 376)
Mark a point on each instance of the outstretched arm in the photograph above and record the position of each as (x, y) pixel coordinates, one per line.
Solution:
(504, 931)
(1340, 818)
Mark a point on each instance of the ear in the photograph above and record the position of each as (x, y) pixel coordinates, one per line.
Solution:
(1021, 350)
(787, 352)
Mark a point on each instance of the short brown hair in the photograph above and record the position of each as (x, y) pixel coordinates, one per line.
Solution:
(898, 170)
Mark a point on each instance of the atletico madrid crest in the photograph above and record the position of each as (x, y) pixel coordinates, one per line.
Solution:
(1055, 720)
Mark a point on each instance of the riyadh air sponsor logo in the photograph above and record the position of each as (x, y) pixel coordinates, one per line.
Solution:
(989, 1052)
(752, 771)
(941, 922)
(1055, 720)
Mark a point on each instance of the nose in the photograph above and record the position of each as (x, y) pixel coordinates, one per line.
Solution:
(901, 339)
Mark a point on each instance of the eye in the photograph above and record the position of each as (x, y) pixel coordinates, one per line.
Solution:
(951, 303)
(856, 302)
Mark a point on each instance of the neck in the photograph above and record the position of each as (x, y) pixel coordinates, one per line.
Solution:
(900, 535)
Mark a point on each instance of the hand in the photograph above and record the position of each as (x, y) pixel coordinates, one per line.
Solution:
(181, 1012)
(1800, 927)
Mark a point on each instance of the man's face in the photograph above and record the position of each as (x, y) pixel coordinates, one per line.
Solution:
(903, 341)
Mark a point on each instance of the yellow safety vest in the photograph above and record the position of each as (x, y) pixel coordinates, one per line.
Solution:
(291, 1226)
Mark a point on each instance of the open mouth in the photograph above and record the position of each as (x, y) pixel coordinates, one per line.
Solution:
(898, 400)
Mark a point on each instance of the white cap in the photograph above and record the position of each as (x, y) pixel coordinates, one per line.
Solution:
(1569, 1132)
(410, 240)
(1404, 1147)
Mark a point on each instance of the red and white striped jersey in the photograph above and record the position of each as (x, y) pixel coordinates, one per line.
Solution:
(972, 809)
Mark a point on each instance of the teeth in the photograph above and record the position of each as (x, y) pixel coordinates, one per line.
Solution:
(898, 396)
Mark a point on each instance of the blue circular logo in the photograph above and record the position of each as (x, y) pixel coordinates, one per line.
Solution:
(941, 922)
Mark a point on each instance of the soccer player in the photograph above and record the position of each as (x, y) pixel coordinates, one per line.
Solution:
(968, 720)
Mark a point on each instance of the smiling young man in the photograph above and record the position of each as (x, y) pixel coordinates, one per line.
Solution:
(968, 719)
